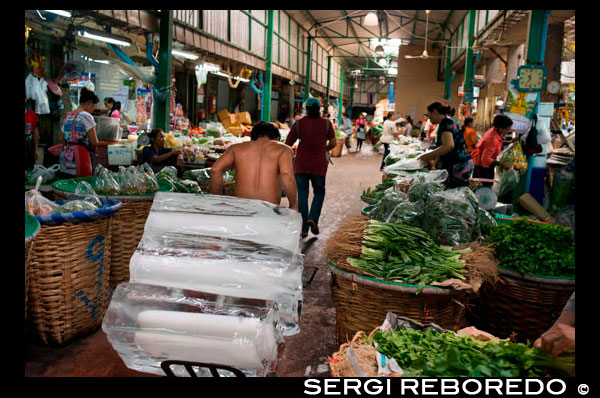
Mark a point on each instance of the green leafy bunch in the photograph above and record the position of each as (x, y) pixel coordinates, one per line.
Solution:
(398, 252)
(535, 249)
(434, 354)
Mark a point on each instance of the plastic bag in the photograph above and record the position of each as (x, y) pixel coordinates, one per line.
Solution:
(450, 217)
(409, 213)
(85, 192)
(383, 210)
(514, 156)
(105, 183)
(190, 186)
(509, 179)
(35, 203)
(486, 222)
(145, 168)
(148, 182)
(561, 190)
(167, 170)
(422, 191)
(74, 205)
(48, 174)
(202, 176)
(405, 164)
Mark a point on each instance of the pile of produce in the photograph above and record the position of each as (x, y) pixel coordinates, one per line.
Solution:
(374, 194)
(422, 191)
(405, 254)
(532, 248)
(202, 176)
(127, 181)
(169, 175)
(433, 354)
(394, 207)
(514, 156)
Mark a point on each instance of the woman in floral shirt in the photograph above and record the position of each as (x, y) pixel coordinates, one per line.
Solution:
(450, 147)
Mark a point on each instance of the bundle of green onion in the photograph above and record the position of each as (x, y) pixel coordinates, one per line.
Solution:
(399, 252)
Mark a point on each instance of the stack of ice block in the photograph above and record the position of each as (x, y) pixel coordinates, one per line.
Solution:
(149, 324)
(222, 266)
(214, 279)
(226, 216)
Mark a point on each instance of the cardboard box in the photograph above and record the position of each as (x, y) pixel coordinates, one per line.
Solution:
(228, 119)
(243, 118)
(237, 131)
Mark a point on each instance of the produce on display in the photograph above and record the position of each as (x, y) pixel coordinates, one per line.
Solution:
(35, 203)
(532, 248)
(404, 165)
(406, 254)
(150, 324)
(225, 216)
(202, 176)
(375, 194)
(451, 217)
(431, 353)
(514, 156)
(48, 174)
(422, 191)
(395, 207)
(74, 205)
(509, 179)
(561, 190)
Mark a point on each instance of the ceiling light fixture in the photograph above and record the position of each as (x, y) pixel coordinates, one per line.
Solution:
(101, 36)
(371, 19)
(185, 55)
(379, 49)
(62, 13)
(382, 62)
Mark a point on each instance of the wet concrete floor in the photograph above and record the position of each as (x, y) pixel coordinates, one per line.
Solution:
(305, 354)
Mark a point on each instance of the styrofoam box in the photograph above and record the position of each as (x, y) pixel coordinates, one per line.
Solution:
(119, 155)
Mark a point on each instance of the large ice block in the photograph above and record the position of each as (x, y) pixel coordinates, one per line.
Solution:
(222, 266)
(150, 324)
(226, 216)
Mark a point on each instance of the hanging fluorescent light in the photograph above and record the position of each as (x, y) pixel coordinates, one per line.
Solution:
(62, 13)
(100, 61)
(219, 73)
(105, 37)
(371, 19)
(182, 54)
(392, 71)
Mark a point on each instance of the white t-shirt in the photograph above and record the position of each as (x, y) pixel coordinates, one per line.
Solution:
(389, 130)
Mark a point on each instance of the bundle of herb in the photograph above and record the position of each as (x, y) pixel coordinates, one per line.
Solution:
(398, 252)
(422, 191)
(534, 249)
(434, 354)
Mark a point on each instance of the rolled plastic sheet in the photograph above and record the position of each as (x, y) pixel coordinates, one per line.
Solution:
(222, 266)
(150, 324)
(225, 216)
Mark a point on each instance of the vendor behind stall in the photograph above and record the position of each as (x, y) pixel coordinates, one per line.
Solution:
(157, 155)
(490, 146)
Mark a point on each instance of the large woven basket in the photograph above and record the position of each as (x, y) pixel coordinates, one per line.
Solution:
(32, 228)
(127, 230)
(68, 291)
(525, 305)
(362, 303)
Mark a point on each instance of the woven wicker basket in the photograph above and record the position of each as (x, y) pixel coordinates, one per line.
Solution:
(30, 234)
(68, 291)
(527, 306)
(127, 230)
(362, 303)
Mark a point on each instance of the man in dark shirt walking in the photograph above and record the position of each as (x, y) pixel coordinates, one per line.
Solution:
(317, 136)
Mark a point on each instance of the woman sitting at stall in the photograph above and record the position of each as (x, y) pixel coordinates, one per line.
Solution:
(157, 155)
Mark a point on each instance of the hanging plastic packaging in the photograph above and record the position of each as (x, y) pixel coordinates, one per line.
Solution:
(35, 203)
(226, 216)
(222, 266)
(149, 324)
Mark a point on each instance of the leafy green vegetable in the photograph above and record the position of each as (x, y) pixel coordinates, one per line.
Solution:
(433, 354)
(451, 217)
(535, 249)
(398, 252)
(422, 191)
(374, 194)
(74, 205)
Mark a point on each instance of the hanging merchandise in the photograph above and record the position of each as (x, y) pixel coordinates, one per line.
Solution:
(532, 145)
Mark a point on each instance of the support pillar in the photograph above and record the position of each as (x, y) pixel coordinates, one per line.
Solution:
(341, 100)
(328, 77)
(163, 79)
(447, 81)
(268, 66)
(513, 61)
(469, 59)
(553, 58)
(308, 65)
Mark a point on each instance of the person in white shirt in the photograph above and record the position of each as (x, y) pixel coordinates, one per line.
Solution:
(389, 134)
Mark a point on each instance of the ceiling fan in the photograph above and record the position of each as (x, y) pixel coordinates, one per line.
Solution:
(425, 54)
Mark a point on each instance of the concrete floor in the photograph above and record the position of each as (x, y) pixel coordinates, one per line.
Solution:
(305, 353)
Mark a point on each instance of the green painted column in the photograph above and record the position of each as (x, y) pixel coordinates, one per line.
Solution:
(536, 40)
(328, 77)
(308, 65)
(341, 100)
(163, 79)
(268, 72)
(447, 84)
(469, 59)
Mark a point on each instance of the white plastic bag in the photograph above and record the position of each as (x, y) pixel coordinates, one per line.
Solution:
(35, 203)
(48, 174)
